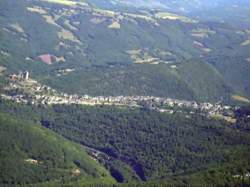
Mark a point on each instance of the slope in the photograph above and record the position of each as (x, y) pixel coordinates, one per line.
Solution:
(192, 80)
(136, 51)
(32, 155)
(154, 145)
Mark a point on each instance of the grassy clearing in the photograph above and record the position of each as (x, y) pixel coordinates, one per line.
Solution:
(37, 9)
(202, 33)
(247, 42)
(170, 16)
(201, 47)
(66, 2)
(60, 59)
(144, 17)
(50, 20)
(114, 25)
(142, 57)
(103, 12)
(2, 69)
(63, 34)
(17, 28)
(226, 118)
(67, 35)
(240, 98)
(97, 20)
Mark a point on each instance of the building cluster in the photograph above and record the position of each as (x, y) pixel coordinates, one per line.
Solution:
(240, 176)
(21, 76)
(34, 93)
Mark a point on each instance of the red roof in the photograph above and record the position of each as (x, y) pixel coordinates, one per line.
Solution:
(46, 58)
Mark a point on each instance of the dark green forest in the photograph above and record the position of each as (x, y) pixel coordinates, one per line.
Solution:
(31, 155)
(146, 146)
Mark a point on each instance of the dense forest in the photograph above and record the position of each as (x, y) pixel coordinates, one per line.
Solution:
(144, 145)
(32, 155)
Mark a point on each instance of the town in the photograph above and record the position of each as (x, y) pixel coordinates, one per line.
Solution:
(23, 89)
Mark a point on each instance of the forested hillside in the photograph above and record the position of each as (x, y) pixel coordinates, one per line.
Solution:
(124, 93)
(32, 155)
(140, 52)
(147, 145)
(191, 81)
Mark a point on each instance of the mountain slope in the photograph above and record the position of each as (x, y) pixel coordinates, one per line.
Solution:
(193, 80)
(33, 155)
(82, 48)
(154, 145)
(235, 12)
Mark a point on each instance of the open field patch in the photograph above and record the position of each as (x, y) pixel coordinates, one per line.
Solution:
(201, 46)
(60, 59)
(46, 58)
(202, 33)
(67, 35)
(171, 16)
(147, 18)
(140, 56)
(50, 20)
(240, 98)
(144, 56)
(37, 9)
(64, 72)
(17, 28)
(102, 12)
(114, 25)
(246, 42)
(162, 53)
(50, 59)
(2, 69)
(31, 161)
(97, 20)
(228, 119)
(66, 2)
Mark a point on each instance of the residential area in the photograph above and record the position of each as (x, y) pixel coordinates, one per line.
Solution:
(23, 89)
